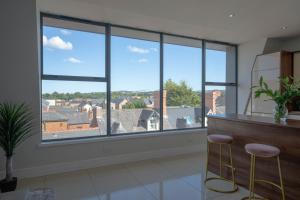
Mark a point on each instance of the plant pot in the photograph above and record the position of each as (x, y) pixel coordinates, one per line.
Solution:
(8, 186)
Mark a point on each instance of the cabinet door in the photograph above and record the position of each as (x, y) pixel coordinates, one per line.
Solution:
(267, 66)
(297, 66)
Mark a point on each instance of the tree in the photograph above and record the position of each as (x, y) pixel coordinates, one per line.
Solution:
(181, 94)
(69, 96)
(134, 105)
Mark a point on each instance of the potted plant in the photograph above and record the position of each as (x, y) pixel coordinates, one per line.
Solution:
(290, 89)
(15, 127)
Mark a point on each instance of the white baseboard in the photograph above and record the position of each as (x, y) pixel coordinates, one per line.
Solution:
(104, 161)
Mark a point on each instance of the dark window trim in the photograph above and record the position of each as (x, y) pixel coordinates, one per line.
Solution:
(161, 82)
(63, 17)
(203, 84)
(73, 78)
(220, 84)
(107, 78)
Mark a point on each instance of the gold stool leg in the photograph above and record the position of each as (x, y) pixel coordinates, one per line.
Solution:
(280, 177)
(207, 157)
(250, 178)
(253, 177)
(232, 168)
(253, 180)
(220, 160)
(235, 187)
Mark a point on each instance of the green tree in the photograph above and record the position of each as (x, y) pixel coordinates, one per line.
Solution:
(179, 94)
(135, 104)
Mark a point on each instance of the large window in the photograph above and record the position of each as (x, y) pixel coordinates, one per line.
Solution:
(182, 83)
(103, 80)
(134, 81)
(73, 79)
(220, 79)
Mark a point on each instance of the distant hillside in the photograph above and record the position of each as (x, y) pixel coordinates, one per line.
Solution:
(95, 95)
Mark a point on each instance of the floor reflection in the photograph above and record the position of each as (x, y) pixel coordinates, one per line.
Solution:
(173, 178)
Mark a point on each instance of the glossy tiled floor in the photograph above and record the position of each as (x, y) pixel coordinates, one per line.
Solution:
(176, 178)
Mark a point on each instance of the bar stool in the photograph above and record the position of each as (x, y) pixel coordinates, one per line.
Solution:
(262, 151)
(221, 140)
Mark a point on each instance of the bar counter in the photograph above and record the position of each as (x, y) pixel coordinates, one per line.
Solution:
(253, 129)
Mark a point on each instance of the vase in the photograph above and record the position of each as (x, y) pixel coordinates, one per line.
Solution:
(280, 113)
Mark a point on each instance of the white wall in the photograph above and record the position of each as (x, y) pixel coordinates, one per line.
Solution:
(19, 81)
(246, 56)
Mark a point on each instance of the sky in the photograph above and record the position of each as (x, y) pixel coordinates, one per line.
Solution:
(134, 62)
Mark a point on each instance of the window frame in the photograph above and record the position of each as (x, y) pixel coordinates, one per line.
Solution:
(201, 66)
(50, 77)
(107, 78)
(209, 83)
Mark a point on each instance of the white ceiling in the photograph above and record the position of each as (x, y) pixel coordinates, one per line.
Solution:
(207, 19)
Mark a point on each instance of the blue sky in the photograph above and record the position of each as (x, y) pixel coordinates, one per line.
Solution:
(134, 63)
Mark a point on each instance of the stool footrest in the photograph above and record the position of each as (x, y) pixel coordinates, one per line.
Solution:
(235, 187)
(268, 182)
(229, 166)
(255, 198)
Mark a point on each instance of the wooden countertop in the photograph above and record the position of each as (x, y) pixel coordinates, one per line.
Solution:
(258, 120)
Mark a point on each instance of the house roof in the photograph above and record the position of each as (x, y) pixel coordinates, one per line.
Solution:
(148, 101)
(53, 117)
(118, 100)
(63, 109)
(75, 101)
(82, 103)
(66, 114)
(190, 113)
(77, 118)
(96, 101)
(146, 114)
(128, 118)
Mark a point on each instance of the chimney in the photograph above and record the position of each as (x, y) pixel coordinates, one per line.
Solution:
(156, 97)
(211, 100)
(94, 122)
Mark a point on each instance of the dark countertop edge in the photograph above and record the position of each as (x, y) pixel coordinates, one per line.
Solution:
(257, 120)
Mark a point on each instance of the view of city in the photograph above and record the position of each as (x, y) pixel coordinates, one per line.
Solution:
(84, 114)
(78, 108)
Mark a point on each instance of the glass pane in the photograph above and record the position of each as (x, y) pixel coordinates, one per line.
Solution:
(73, 49)
(134, 84)
(72, 109)
(220, 63)
(220, 100)
(182, 84)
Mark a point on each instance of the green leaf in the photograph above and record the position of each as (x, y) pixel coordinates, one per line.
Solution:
(290, 90)
(261, 81)
(15, 126)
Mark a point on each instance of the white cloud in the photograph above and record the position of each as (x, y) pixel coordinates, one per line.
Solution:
(65, 32)
(137, 49)
(57, 42)
(143, 60)
(74, 60)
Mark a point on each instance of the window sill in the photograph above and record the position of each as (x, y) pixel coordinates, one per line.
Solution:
(120, 138)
